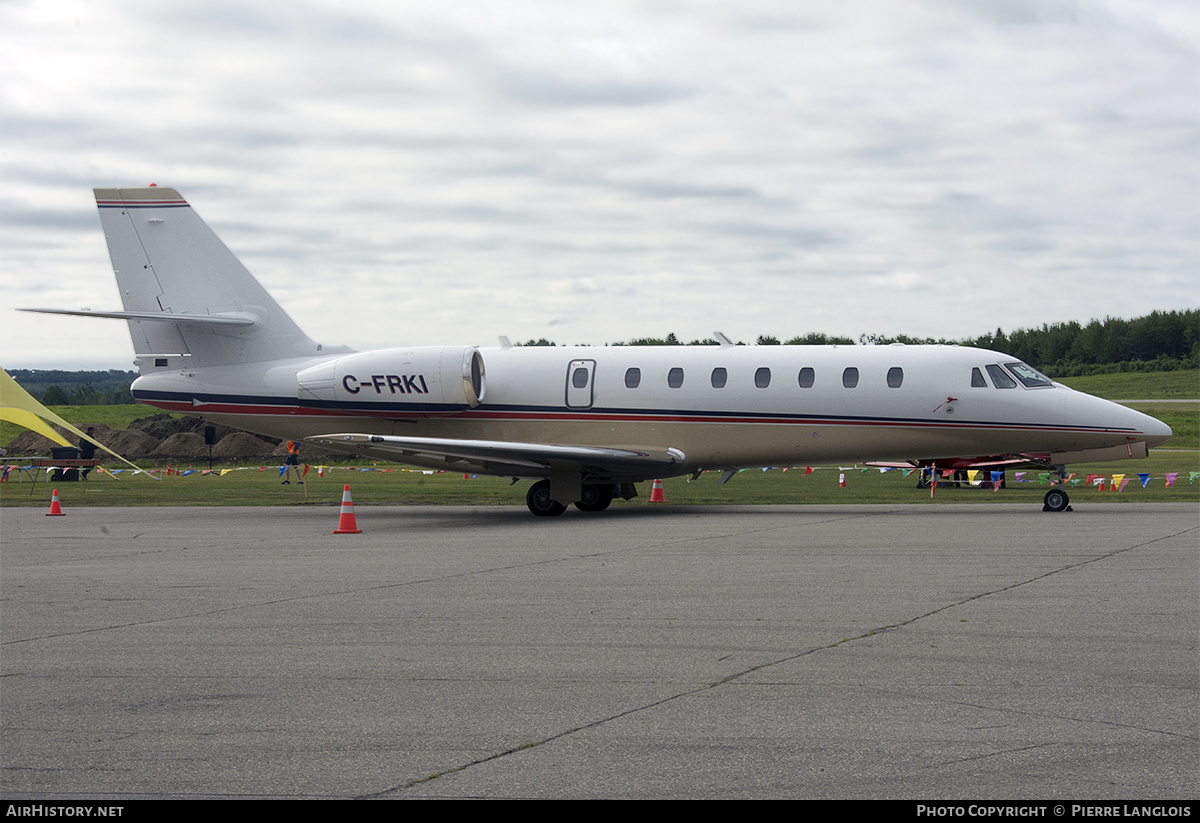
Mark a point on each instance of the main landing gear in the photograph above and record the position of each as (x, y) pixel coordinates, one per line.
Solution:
(593, 498)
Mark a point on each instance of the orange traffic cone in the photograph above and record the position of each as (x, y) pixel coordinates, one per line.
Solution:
(1101, 484)
(55, 509)
(346, 523)
(656, 493)
(841, 480)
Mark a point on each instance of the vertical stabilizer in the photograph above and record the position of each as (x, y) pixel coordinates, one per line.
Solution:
(197, 304)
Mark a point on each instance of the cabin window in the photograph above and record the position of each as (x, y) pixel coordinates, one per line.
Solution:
(1000, 378)
(1029, 376)
(895, 377)
(977, 381)
(850, 377)
(719, 376)
(675, 377)
(579, 378)
(762, 378)
(632, 378)
(806, 378)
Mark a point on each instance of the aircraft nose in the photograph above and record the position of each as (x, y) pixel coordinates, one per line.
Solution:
(1153, 431)
(1157, 432)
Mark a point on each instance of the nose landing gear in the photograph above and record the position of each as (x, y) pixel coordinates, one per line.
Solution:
(1056, 500)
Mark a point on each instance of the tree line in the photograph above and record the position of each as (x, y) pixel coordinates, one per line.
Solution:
(55, 387)
(1159, 341)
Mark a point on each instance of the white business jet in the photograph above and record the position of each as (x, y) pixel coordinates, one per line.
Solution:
(586, 423)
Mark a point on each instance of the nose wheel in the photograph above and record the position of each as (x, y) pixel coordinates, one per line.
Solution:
(1056, 500)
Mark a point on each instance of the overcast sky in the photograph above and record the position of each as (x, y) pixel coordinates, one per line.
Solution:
(399, 173)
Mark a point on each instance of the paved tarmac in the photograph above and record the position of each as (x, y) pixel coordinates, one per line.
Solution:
(951, 651)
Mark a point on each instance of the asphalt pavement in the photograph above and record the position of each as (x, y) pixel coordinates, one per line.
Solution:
(891, 651)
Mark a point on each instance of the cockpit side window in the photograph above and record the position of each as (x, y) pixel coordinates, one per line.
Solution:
(1000, 378)
(977, 381)
(1030, 377)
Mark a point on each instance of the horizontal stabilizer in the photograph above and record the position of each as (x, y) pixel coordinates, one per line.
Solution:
(212, 320)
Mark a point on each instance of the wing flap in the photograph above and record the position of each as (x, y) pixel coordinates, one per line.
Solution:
(509, 459)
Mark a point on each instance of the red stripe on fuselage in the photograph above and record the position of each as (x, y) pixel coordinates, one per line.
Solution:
(609, 417)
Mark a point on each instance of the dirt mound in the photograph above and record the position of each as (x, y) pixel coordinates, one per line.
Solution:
(241, 446)
(32, 444)
(130, 444)
(166, 437)
(162, 426)
(182, 446)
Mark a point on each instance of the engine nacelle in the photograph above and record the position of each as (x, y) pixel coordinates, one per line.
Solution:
(424, 379)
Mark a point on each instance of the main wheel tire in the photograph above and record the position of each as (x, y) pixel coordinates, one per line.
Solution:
(595, 498)
(1056, 500)
(539, 501)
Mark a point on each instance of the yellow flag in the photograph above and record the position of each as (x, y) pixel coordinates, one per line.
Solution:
(14, 400)
(29, 420)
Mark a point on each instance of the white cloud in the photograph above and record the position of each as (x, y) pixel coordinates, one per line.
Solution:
(406, 172)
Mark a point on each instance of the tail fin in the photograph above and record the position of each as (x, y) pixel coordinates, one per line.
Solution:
(192, 298)
(187, 299)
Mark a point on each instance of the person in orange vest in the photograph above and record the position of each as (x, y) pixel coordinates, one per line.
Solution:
(292, 461)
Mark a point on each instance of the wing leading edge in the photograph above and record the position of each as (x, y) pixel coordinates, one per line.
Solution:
(509, 459)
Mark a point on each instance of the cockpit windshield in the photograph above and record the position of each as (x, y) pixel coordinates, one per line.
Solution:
(1030, 377)
(1000, 378)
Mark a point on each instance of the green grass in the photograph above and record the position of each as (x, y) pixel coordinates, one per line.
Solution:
(1139, 385)
(249, 487)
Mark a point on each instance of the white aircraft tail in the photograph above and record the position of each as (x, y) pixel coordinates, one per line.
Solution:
(188, 300)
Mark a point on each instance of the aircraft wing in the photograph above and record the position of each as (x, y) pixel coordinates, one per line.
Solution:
(993, 462)
(504, 458)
